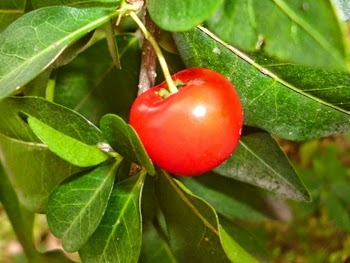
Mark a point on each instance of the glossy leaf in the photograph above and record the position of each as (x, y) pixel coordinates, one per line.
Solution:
(268, 102)
(233, 250)
(326, 86)
(245, 239)
(68, 148)
(77, 205)
(181, 15)
(10, 11)
(35, 40)
(230, 198)
(100, 89)
(193, 229)
(124, 140)
(32, 168)
(308, 33)
(119, 235)
(56, 116)
(259, 160)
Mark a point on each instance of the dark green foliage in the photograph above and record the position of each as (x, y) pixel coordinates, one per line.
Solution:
(59, 77)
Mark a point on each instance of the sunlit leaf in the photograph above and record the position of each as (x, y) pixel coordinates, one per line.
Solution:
(119, 235)
(77, 205)
(32, 168)
(181, 15)
(35, 40)
(68, 148)
(123, 138)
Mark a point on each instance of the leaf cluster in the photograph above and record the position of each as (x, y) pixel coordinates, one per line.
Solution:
(68, 78)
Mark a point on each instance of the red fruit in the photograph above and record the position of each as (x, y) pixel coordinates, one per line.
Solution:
(191, 131)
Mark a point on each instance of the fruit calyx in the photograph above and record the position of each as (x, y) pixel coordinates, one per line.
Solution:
(166, 92)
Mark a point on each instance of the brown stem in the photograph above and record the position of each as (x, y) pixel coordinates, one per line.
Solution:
(149, 58)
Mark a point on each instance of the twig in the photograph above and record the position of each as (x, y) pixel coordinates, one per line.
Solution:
(149, 58)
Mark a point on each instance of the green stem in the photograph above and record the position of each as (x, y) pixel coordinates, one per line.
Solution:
(50, 88)
(171, 86)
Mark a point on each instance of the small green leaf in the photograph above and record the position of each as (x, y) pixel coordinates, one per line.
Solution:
(124, 140)
(76, 206)
(259, 160)
(119, 235)
(68, 148)
(30, 44)
(192, 224)
(181, 15)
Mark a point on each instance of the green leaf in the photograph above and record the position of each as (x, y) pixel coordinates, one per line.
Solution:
(245, 239)
(52, 256)
(33, 42)
(229, 197)
(233, 250)
(56, 116)
(68, 148)
(76, 206)
(328, 87)
(10, 11)
(119, 235)
(193, 228)
(22, 223)
(155, 248)
(181, 15)
(124, 140)
(268, 102)
(258, 160)
(33, 169)
(112, 4)
(100, 89)
(308, 33)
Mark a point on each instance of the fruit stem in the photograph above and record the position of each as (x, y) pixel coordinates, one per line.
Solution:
(171, 86)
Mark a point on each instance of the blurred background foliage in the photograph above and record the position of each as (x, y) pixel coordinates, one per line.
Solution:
(318, 231)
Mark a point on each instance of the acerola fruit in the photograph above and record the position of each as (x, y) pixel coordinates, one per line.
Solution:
(191, 131)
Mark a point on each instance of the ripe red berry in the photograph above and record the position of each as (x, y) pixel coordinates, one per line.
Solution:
(191, 131)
